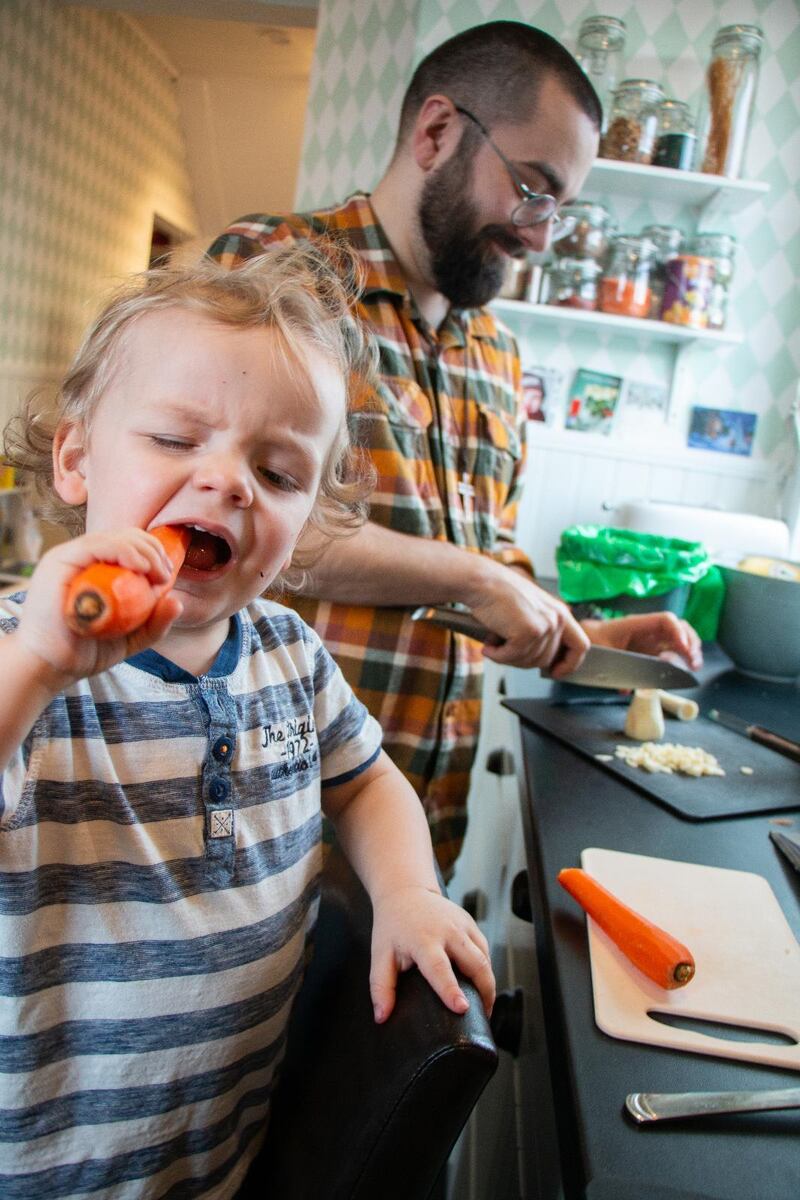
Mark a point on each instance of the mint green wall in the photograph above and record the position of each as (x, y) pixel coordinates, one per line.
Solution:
(366, 50)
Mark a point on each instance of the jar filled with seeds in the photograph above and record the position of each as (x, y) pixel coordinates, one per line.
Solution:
(633, 121)
(676, 140)
(668, 240)
(721, 249)
(588, 235)
(727, 106)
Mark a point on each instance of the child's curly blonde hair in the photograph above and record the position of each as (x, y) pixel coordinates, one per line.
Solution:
(305, 291)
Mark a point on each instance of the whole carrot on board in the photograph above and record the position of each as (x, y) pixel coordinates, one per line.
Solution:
(656, 953)
(106, 600)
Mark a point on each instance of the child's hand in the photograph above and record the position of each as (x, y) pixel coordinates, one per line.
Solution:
(414, 926)
(43, 630)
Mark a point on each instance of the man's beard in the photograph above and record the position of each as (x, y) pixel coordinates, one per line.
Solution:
(468, 268)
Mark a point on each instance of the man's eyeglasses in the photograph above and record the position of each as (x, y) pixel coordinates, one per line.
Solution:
(535, 207)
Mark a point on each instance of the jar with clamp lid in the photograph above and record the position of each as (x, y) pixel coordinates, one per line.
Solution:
(573, 283)
(721, 249)
(633, 121)
(668, 240)
(625, 286)
(676, 140)
(587, 236)
(600, 51)
(727, 106)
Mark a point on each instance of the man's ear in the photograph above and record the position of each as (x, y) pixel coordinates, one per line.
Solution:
(69, 449)
(437, 132)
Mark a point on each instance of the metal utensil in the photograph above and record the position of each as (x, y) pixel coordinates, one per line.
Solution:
(667, 1106)
(757, 733)
(789, 844)
(602, 667)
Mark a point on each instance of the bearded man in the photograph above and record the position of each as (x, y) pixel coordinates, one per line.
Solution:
(498, 129)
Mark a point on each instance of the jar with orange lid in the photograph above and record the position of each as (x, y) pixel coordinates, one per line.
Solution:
(688, 284)
(625, 286)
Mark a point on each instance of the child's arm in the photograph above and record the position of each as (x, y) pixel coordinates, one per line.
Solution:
(42, 655)
(382, 828)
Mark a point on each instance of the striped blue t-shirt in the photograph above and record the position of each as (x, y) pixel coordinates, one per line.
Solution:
(159, 863)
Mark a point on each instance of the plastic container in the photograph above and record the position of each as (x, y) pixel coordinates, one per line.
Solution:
(600, 51)
(668, 241)
(588, 237)
(633, 121)
(721, 249)
(726, 108)
(676, 140)
(688, 281)
(573, 283)
(625, 286)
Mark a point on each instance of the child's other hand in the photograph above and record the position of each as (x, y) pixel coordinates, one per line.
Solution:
(43, 630)
(414, 926)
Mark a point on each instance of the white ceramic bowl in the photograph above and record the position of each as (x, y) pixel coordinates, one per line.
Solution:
(760, 624)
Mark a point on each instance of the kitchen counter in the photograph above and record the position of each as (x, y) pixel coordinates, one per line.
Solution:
(570, 803)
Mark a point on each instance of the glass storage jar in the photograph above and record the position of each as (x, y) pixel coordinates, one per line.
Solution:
(721, 249)
(588, 237)
(573, 283)
(687, 290)
(676, 140)
(625, 286)
(633, 121)
(668, 240)
(515, 280)
(727, 103)
(600, 49)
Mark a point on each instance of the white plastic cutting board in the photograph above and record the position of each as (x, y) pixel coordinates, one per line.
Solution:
(747, 958)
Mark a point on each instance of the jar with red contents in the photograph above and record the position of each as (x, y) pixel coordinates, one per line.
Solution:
(625, 286)
(573, 283)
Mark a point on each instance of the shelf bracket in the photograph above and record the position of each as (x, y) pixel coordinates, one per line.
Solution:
(679, 384)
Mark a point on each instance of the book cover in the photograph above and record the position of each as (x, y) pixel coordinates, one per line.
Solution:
(593, 400)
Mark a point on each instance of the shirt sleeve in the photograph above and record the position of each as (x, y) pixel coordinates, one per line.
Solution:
(349, 738)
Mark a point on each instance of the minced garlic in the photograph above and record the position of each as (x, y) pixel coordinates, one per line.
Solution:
(669, 757)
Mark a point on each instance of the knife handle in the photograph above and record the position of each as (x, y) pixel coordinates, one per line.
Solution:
(783, 745)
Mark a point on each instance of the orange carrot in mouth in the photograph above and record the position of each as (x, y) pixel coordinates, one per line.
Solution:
(106, 600)
(656, 953)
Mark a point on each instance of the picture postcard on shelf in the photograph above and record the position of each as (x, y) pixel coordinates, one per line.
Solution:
(542, 394)
(722, 429)
(592, 401)
(643, 409)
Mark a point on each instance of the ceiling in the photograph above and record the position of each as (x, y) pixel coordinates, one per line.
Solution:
(213, 48)
(212, 38)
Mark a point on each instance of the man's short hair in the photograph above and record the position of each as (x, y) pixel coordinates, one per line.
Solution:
(495, 71)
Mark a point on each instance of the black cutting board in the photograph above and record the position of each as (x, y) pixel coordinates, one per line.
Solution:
(597, 729)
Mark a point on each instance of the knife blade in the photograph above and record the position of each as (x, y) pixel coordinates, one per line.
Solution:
(602, 667)
(789, 844)
(757, 733)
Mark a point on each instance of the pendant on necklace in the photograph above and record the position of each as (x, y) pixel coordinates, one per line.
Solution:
(466, 491)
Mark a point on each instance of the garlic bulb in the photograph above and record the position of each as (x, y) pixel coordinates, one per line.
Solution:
(645, 720)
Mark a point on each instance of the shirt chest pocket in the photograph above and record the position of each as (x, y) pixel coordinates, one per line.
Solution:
(499, 448)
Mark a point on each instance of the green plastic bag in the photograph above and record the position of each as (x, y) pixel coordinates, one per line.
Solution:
(601, 563)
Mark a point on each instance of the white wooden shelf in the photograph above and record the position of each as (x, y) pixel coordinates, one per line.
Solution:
(12, 491)
(633, 327)
(682, 188)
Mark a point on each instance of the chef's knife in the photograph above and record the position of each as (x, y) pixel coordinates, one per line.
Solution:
(757, 733)
(602, 667)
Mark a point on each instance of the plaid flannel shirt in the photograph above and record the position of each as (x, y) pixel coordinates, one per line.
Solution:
(448, 407)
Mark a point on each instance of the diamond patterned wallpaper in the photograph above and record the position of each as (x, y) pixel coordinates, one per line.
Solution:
(90, 149)
(366, 50)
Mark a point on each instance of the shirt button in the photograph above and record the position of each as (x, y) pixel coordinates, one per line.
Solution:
(218, 789)
(223, 749)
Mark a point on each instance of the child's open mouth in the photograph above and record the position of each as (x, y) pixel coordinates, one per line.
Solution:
(207, 551)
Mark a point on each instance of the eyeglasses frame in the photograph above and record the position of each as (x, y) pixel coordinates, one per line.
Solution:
(528, 194)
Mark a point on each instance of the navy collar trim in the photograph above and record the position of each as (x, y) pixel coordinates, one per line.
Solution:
(225, 663)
